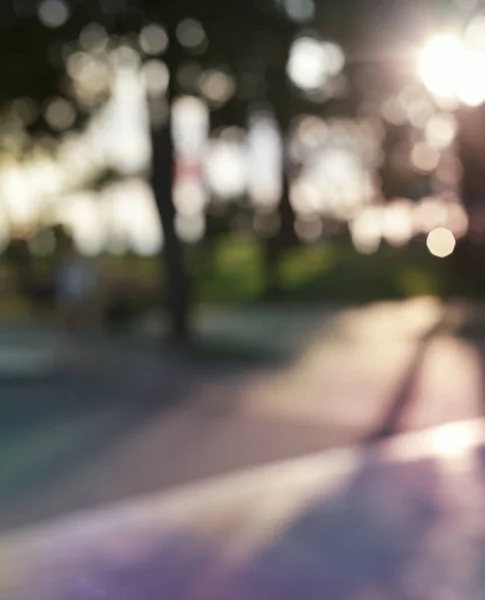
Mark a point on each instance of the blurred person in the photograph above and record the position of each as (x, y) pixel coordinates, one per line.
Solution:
(20, 260)
(76, 284)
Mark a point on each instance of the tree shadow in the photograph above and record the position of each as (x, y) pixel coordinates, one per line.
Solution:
(360, 543)
(365, 540)
(403, 397)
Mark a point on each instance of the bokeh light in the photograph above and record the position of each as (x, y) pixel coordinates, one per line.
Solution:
(300, 11)
(191, 34)
(60, 114)
(419, 112)
(441, 242)
(93, 38)
(156, 76)
(440, 130)
(264, 159)
(190, 125)
(451, 69)
(366, 230)
(306, 197)
(312, 63)
(90, 77)
(397, 223)
(424, 157)
(216, 86)
(457, 221)
(310, 134)
(475, 33)
(429, 213)
(189, 196)
(81, 215)
(226, 164)
(393, 110)
(440, 64)
(153, 39)
(53, 13)
(190, 228)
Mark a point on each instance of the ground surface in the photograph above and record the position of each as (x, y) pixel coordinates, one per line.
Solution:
(86, 424)
(395, 520)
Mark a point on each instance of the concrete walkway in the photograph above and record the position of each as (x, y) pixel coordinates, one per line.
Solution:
(400, 520)
(145, 422)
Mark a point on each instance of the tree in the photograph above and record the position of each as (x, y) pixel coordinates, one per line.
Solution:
(243, 36)
(39, 75)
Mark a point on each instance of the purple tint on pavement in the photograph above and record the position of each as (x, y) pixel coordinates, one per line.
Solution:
(401, 520)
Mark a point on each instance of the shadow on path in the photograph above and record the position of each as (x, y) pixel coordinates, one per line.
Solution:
(403, 397)
(366, 539)
(52, 429)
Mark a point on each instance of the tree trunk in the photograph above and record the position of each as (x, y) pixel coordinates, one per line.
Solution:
(276, 243)
(469, 256)
(280, 98)
(176, 282)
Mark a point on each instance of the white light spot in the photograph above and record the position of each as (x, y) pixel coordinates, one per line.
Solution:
(189, 197)
(300, 10)
(441, 130)
(452, 70)
(441, 242)
(153, 39)
(83, 218)
(126, 56)
(429, 214)
(60, 114)
(457, 220)
(264, 160)
(310, 134)
(190, 123)
(217, 86)
(93, 37)
(190, 229)
(419, 112)
(440, 63)
(397, 225)
(471, 83)
(394, 111)
(191, 34)
(312, 63)
(157, 77)
(366, 230)
(424, 157)
(475, 34)
(306, 197)
(53, 13)
(226, 167)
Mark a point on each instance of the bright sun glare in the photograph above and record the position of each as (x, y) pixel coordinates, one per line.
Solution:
(451, 69)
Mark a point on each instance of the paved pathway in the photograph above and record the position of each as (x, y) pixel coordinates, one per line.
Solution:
(400, 520)
(144, 423)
